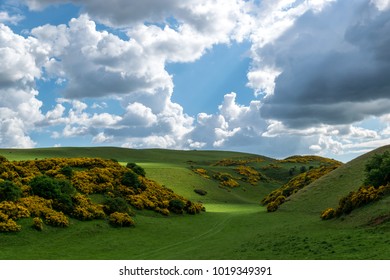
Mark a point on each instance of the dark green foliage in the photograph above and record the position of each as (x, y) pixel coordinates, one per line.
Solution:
(378, 170)
(136, 168)
(177, 206)
(200, 192)
(61, 191)
(116, 204)
(67, 171)
(130, 179)
(9, 191)
(303, 169)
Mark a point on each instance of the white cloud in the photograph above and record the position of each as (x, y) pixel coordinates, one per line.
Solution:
(5, 17)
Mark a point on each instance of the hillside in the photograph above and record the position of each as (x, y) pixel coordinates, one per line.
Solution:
(235, 225)
(329, 189)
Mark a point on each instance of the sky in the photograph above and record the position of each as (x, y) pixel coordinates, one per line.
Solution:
(271, 77)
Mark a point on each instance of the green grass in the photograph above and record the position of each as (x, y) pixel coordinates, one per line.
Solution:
(234, 226)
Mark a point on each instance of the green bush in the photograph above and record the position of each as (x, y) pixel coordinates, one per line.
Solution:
(61, 191)
(130, 179)
(136, 168)
(177, 206)
(378, 170)
(9, 191)
(200, 191)
(116, 204)
(67, 171)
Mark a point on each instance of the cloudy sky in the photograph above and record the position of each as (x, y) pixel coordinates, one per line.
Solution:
(273, 77)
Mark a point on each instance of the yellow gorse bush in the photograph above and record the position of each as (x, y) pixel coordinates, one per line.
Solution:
(121, 220)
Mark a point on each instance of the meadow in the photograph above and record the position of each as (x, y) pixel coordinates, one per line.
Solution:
(235, 225)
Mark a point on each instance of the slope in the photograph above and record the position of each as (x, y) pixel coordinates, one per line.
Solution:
(329, 189)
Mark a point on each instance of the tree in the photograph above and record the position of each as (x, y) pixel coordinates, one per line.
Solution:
(378, 170)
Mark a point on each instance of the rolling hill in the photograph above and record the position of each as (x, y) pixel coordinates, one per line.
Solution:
(235, 225)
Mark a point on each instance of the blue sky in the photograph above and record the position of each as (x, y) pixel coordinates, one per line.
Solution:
(269, 77)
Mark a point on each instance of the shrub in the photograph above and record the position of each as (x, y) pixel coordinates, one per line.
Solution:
(37, 224)
(67, 171)
(61, 191)
(136, 168)
(121, 220)
(57, 219)
(272, 206)
(13, 210)
(84, 209)
(8, 225)
(200, 192)
(328, 214)
(378, 170)
(9, 191)
(116, 204)
(130, 179)
(194, 208)
(177, 206)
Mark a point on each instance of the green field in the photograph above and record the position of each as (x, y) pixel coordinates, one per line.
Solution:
(234, 226)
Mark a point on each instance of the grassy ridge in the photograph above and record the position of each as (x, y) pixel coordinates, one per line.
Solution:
(235, 226)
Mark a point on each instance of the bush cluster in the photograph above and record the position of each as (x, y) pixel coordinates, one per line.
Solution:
(363, 196)
(53, 190)
(226, 180)
(249, 174)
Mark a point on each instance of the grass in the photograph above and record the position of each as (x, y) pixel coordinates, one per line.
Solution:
(234, 226)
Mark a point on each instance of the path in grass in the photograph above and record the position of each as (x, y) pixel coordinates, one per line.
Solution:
(228, 210)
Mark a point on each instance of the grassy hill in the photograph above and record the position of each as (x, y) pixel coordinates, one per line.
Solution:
(234, 226)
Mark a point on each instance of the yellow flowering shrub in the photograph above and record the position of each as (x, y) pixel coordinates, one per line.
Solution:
(226, 180)
(121, 220)
(202, 172)
(86, 210)
(57, 219)
(328, 214)
(194, 208)
(14, 210)
(38, 224)
(249, 174)
(36, 205)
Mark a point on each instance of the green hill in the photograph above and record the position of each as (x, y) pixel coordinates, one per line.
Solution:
(329, 189)
(235, 225)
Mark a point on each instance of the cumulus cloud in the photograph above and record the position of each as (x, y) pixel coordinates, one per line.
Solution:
(335, 71)
(233, 126)
(20, 108)
(5, 17)
(318, 68)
